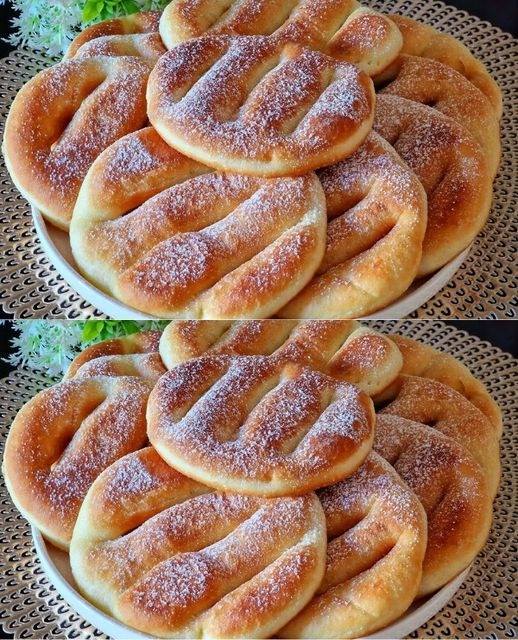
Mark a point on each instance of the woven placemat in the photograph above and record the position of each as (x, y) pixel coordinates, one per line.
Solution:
(483, 287)
(30, 607)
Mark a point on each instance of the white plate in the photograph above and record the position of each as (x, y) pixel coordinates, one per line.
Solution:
(56, 245)
(57, 567)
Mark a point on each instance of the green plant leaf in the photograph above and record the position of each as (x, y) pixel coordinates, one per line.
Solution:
(92, 329)
(92, 9)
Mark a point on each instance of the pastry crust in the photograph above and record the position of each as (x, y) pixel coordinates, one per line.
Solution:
(166, 555)
(255, 106)
(432, 403)
(420, 39)
(451, 165)
(157, 231)
(61, 121)
(148, 46)
(377, 531)
(136, 344)
(343, 349)
(343, 29)
(377, 217)
(441, 87)
(63, 438)
(257, 426)
(452, 488)
(422, 360)
(134, 24)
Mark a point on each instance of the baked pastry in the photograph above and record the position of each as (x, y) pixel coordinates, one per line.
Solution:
(163, 554)
(343, 29)
(143, 342)
(441, 87)
(452, 488)
(419, 359)
(420, 39)
(62, 119)
(134, 24)
(343, 349)
(452, 167)
(377, 531)
(441, 407)
(141, 365)
(258, 426)
(141, 45)
(63, 438)
(154, 232)
(377, 212)
(255, 106)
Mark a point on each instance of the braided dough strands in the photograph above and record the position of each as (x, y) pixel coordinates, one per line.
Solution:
(162, 553)
(422, 40)
(142, 343)
(63, 118)
(452, 167)
(158, 232)
(377, 213)
(452, 488)
(343, 349)
(343, 29)
(377, 533)
(441, 87)
(134, 24)
(63, 438)
(256, 106)
(438, 406)
(257, 426)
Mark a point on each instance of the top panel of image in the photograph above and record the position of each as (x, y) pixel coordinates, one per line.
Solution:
(282, 158)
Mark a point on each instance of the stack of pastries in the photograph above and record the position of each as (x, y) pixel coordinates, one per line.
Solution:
(259, 478)
(259, 158)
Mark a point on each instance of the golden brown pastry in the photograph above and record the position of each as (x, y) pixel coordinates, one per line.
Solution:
(255, 425)
(134, 24)
(420, 39)
(452, 488)
(441, 87)
(343, 29)
(377, 212)
(141, 343)
(253, 105)
(377, 531)
(419, 359)
(343, 349)
(62, 119)
(63, 438)
(452, 167)
(157, 231)
(436, 405)
(169, 557)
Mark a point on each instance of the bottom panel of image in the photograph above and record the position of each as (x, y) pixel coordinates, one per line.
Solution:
(257, 479)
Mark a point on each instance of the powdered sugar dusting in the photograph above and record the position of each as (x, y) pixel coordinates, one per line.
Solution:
(251, 423)
(87, 424)
(261, 130)
(108, 103)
